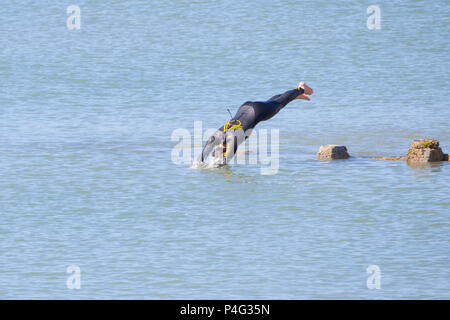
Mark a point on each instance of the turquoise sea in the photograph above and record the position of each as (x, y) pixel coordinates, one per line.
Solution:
(87, 178)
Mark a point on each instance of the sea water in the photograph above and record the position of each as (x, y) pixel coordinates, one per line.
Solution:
(92, 204)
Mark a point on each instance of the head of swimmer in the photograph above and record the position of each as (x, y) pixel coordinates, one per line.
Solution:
(307, 91)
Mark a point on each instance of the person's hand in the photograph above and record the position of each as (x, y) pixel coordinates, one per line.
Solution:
(306, 91)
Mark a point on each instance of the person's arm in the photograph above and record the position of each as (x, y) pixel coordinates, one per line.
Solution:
(213, 141)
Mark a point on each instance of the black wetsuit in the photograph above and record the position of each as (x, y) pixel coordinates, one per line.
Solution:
(248, 116)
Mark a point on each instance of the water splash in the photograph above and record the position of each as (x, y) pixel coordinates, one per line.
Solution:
(211, 163)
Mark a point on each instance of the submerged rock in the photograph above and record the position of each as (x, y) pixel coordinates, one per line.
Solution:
(332, 152)
(390, 158)
(424, 151)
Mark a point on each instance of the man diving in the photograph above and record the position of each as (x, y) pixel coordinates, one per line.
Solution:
(228, 137)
